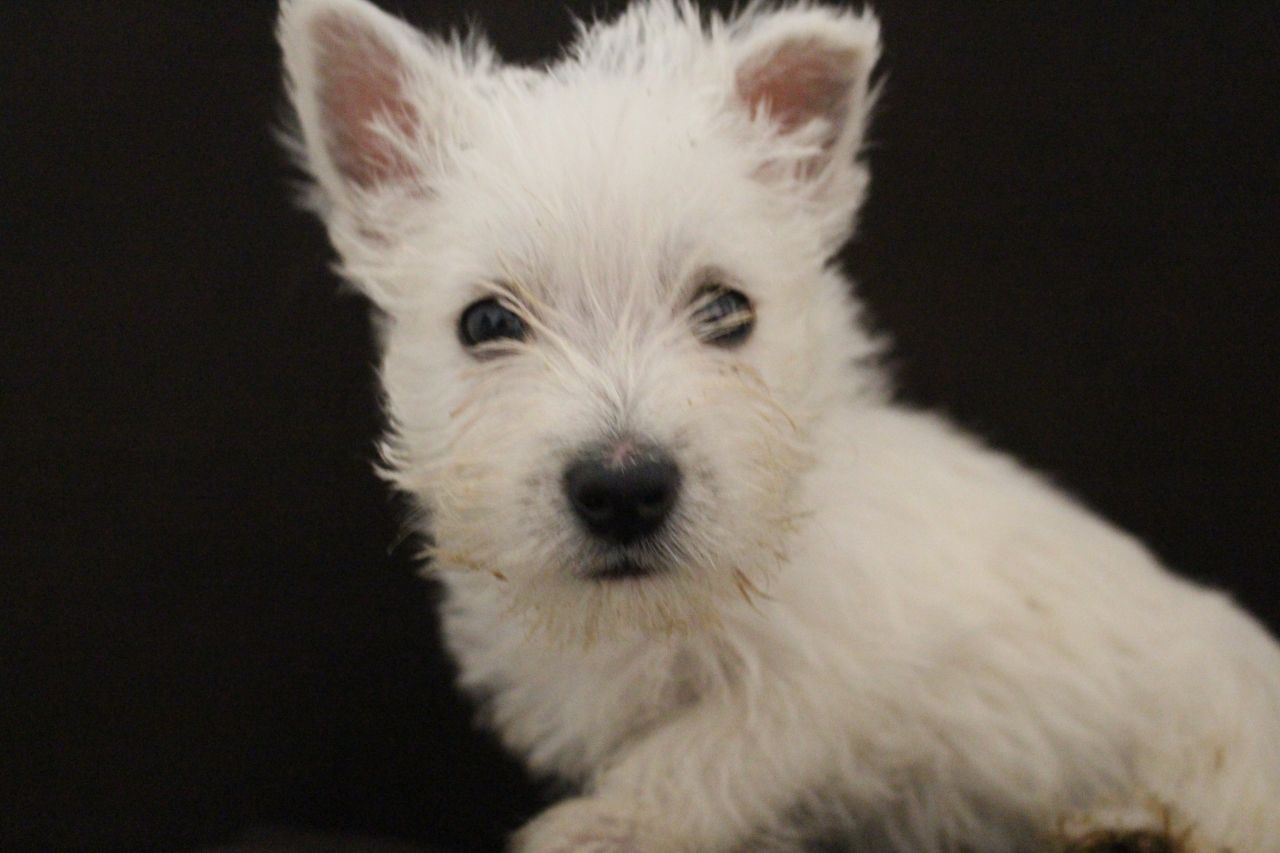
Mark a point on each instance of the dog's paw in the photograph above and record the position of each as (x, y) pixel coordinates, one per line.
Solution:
(1125, 842)
(1150, 827)
(589, 825)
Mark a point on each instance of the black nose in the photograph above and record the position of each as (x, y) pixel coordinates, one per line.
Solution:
(622, 501)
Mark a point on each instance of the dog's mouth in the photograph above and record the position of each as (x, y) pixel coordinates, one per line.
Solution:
(623, 569)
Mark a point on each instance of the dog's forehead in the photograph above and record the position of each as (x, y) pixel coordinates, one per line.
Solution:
(610, 186)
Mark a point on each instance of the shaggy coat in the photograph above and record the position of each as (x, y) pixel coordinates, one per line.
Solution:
(857, 621)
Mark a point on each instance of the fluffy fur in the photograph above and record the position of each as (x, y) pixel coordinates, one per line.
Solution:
(865, 623)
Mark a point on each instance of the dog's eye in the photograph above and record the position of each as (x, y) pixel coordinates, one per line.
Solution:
(723, 316)
(488, 320)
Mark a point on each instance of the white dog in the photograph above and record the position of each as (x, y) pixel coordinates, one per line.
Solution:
(696, 561)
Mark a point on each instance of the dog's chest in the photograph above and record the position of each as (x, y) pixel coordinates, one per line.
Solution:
(567, 708)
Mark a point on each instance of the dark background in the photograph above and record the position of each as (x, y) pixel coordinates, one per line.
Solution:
(205, 626)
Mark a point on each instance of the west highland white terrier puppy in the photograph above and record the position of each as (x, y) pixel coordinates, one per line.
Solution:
(696, 560)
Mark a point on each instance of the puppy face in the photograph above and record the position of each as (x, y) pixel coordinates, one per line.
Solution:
(609, 331)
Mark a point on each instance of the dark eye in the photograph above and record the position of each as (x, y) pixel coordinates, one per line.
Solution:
(723, 316)
(488, 320)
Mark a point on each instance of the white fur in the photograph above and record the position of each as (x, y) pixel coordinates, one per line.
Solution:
(869, 623)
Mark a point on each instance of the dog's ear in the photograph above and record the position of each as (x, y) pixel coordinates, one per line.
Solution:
(378, 104)
(805, 74)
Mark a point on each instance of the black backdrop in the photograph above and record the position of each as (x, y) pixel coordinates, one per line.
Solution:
(205, 626)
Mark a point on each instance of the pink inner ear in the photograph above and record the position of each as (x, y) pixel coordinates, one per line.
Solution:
(362, 81)
(802, 80)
